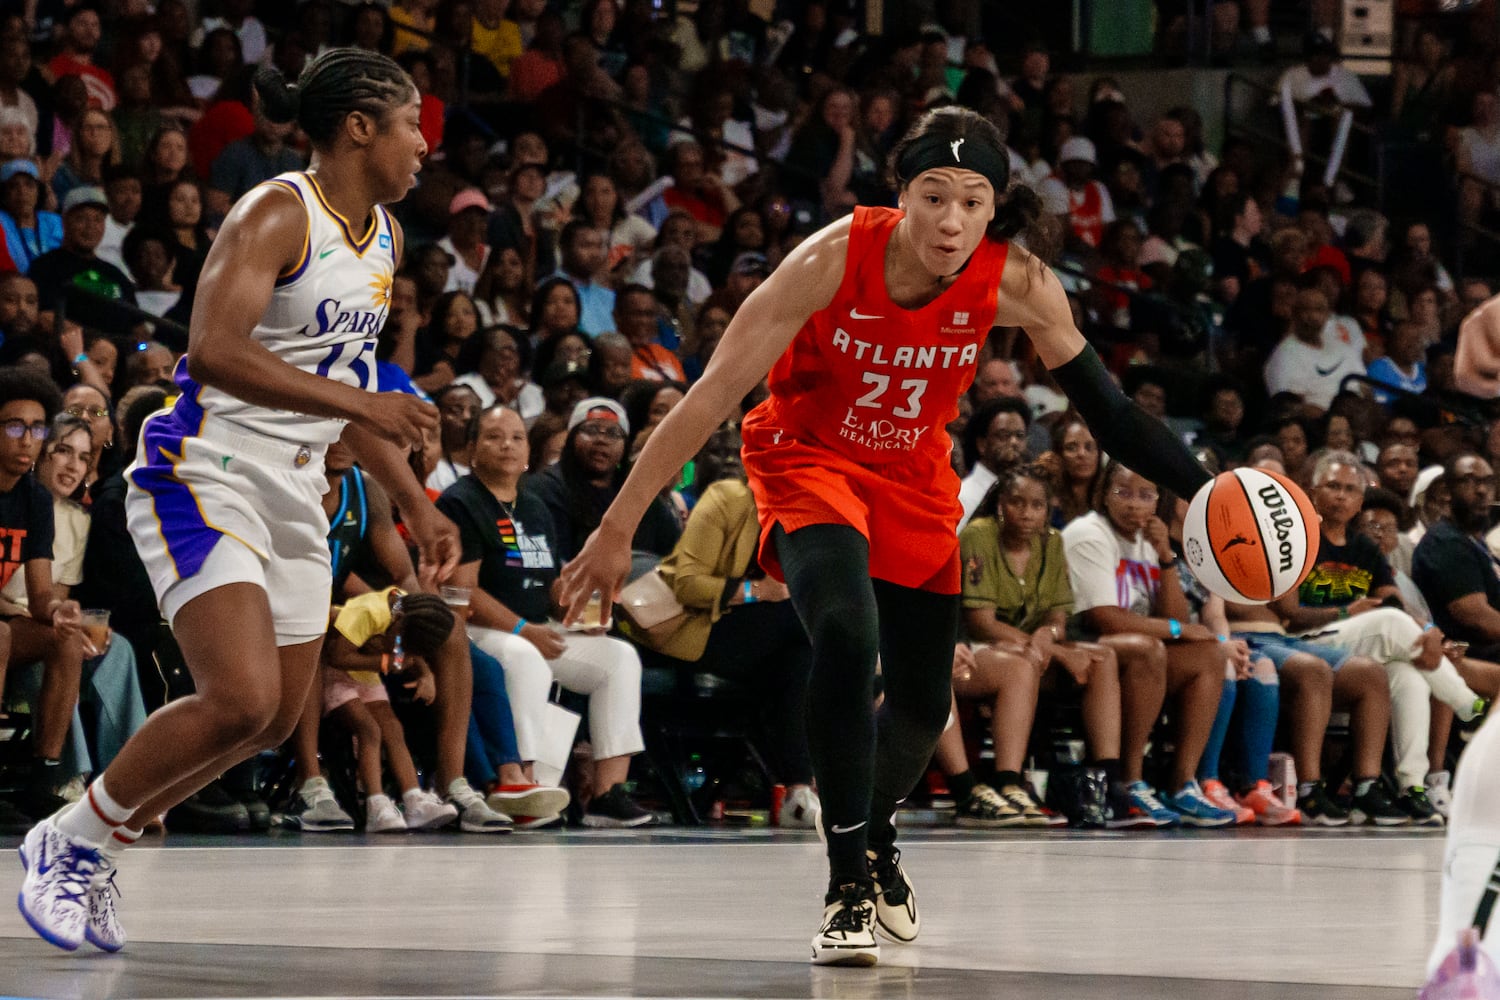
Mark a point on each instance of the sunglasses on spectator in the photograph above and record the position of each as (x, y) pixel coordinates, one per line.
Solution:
(16, 429)
(83, 412)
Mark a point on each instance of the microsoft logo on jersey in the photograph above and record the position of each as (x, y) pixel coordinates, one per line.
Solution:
(960, 319)
(385, 241)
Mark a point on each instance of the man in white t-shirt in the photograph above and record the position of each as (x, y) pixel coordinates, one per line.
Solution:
(1330, 90)
(1081, 203)
(995, 438)
(1312, 360)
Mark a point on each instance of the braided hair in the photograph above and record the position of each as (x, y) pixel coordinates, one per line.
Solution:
(425, 623)
(333, 86)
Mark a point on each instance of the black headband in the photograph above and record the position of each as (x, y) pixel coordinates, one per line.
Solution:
(933, 151)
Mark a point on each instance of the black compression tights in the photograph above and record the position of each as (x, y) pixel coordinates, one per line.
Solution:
(866, 762)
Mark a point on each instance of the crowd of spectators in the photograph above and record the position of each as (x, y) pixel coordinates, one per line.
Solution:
(607, 184)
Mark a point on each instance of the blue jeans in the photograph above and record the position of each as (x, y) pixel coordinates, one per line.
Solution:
(492, 731)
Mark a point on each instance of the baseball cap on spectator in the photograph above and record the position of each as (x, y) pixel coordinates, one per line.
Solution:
(469, 198)
(751, 263)
(1078, 148)
(561, 371)
(19, 166)
(599, 408)
(80, 197)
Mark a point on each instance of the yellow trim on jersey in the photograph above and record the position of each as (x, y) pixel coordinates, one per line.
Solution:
(302, 259)
(359, 246)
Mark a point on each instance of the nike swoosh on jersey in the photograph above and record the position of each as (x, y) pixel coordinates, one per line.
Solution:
(856, 314)
(1330, 371)
(325, 253)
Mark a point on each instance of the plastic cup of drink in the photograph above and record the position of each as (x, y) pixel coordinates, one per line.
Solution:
(591, 614)
(455, 597)
(96, 627)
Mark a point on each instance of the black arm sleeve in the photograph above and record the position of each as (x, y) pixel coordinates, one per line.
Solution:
(1124, 430)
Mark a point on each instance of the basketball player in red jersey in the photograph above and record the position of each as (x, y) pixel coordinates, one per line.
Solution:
(871, 330)
(1471, 863)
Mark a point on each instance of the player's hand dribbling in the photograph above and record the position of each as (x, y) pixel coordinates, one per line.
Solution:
(602, 565)
(400, 417)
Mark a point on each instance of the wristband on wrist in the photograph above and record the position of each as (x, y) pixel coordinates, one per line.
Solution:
(1222, 638)
(750, 597)
(81, 358)
(1170, 564)
(1174, 628)
(520, 624)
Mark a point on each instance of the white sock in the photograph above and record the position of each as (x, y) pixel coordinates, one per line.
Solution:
(120, 839)
(1261, 34)
(93, 818)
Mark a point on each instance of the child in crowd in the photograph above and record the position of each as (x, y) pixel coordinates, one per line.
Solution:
(373, 634)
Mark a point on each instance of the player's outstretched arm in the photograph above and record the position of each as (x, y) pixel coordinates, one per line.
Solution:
(1032, 298)
(1476, 365)
(759, 334)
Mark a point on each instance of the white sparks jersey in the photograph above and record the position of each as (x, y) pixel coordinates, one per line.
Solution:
(323, 316)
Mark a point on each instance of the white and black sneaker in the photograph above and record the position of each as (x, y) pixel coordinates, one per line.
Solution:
(895, 901)
(616, 809)
(847, 934)
(104, 930)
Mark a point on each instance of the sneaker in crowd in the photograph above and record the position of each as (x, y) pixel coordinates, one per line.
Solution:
(985, 809)
(1021, 799)
(54, 893)
(1145, 800)
(529, 800)
(317, 811)
(255, 808)
(800, 809)
(535, 822)
(1082, 796)
(1414, 803)
(1215, 792)
(1376, 807)
(1196, 810)
(474, 813)
(615, 808)
(847, 934)
(895, 900)
(73, 789)
(209, 810)
(1318, 808)
(104, 930)
(1467, 973)
(425, 811)
(1440, 791)
(382, 816)
(1267, 808)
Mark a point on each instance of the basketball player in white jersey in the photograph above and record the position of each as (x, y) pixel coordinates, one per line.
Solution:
(224, 500)
(1463, 960)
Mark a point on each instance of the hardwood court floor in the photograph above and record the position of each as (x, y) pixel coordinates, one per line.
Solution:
(691, 913)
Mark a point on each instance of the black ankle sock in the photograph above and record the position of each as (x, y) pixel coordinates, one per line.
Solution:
(961, 785)
(1111, 768)
(1004, 779)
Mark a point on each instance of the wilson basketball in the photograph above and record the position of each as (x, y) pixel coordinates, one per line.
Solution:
(1250, 536)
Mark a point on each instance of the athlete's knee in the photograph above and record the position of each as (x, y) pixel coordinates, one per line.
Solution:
(845, 637)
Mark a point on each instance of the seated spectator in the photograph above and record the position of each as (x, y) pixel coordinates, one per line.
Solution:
(740, 625)
(546, 439)
(1320, 89)
(635, 317)
(50, 627)
(442, 345)
(179, 205)
(30, 231)
(647, 404)
(504, 289)
(468, 220)
(1223, 422)
(237, 17)
(580, 487)
(122, 189)
(1350, 600)
(246, 162)
(1240, 256)
(555, 310)
(610, 365)
(89, 404)
(584, 260)
(1380, 522)
(670, 273)
(75, 264)
(994, 442)
(1124, 579)
(541, 65)
(495, 36)
(707, 330)
(698, 191)
(600, 206)
(110, 692)
(510, 560)
(1017, 600)
(1479, 159)
(1452, 566)
(1076, 457)
(166, 159)
(1368, 307)
(1080, 202)
(95, 147)
(1293, 438)
(1311, 362)
(18, 316)
(368, 634)
(151, 256)
(457, 405)
(500, 376)
(1403, 366)
(81, 33)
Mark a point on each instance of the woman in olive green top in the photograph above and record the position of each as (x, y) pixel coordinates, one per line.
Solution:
(1017, 600)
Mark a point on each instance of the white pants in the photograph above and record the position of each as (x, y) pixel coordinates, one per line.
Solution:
(1472, 858)
(607, 670)
(1391, 637)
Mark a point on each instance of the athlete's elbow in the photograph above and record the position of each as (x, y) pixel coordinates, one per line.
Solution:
(203, 368)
